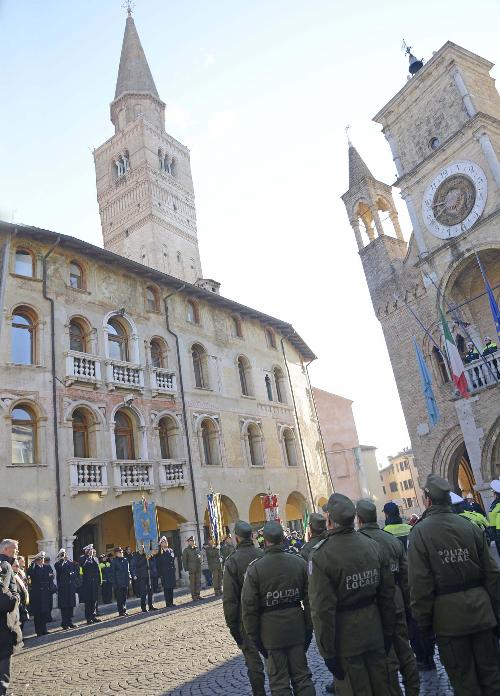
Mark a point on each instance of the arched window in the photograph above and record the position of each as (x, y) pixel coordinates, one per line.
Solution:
(117, 340)
(81, 448)
(244, 371)
(124, 436)
(77, 337)
(168, 433)
(255, 445)
(192, 314)
(441, 365)
(151, 299)
(157, 353)
(76, 276)
(23, 336)
(461, 344)
(173, 167)
(24, 263)
(23, 435)
(199, 366)
(210, 443)
(236, 327)
(290, 451)
(269, 388)
(270, 338)
(279, 385)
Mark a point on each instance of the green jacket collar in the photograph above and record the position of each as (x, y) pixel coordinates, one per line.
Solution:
(369, 525)
(244, 543)
(340, 530)
(277, 548)
(437, 510)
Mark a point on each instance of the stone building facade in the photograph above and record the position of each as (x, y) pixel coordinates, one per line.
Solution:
(443, 128)
(400, 483)
(124, 373)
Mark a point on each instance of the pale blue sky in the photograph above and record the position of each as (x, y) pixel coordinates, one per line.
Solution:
(260, 92)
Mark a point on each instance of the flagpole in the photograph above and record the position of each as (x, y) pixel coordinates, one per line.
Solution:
(426, 331)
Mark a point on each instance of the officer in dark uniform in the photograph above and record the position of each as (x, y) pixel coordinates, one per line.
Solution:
(91, 581)
(276, 616)
(455, 592)
(140, 571)
(234, 573)
(489, 346)
(165, 564)
(367, 519)
(317, 528)
(42, 586)
(351, 590)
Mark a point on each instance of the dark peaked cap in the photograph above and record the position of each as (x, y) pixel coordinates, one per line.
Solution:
(273, 532)
(437, 487)
(317, 521)
(242, 529)
(367, 510)
(341, 509)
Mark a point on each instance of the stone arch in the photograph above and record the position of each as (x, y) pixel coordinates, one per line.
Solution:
(296, 505)
(133, 335)
(451, 461)
(134, 411)
(156, 417)
(256, 515)
(490, 459)
(320, 501)
(229, 516)
(97, 414)
(16, 524)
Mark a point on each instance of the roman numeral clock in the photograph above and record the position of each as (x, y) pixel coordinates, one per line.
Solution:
(455, 199)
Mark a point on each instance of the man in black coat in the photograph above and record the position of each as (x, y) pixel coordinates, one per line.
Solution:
(8, 600)
(120, 569)
(66, 573)
(42, 587)
(139, 567)
(91, 581)
(165, 563)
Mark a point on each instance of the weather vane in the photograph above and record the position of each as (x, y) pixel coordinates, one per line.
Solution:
(347, 134)
(406, 48)
(129, 6)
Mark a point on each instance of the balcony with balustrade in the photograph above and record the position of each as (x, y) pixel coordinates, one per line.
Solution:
(483, 373)
(88, 476)
(82, 367)
(133, 475)
(172, 473)
(125, 375)
(163, 381)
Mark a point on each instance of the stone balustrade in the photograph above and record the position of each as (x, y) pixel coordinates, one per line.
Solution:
(124, 374)
(134, 475)
(82, 367)
(90, 475)
(163, 381)
(483, 372)
(172, 473)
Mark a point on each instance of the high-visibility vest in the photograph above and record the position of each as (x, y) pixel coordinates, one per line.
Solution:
(494, 516)
(476, 518)
(398, 530)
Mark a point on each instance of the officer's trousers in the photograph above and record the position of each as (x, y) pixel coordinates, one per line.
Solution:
(405, 656)
(217, 581)
(366, 675)
(255, 668)
(195, 584)
(471, 663)
(288, 666)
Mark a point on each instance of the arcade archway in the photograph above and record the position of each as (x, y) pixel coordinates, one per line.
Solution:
(256, 515)
(229, 516)
(296, 505)
(17, 525)
(460, 474)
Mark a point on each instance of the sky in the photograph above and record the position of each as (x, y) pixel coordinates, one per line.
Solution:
(261, 92)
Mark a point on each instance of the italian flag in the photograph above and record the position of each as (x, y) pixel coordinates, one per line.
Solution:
(456, 364)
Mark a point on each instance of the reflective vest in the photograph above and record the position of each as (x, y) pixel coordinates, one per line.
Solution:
(398, 530)
(494, 515)
(490, 348)
(472, 355)
(476, 518)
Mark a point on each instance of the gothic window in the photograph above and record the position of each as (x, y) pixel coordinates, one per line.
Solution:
(24, 263)
(236, 327)
(269, 388)
(124, 436)
(23, 435)
(117, 340)
(77, 338)
(81, 447)
(76, 276)
(255, 445)
(199, 357)
(244, 372)
(158, 352)
(290, 451)
(165, 162)
(279, 385)
(192, 313)
(173, 167)
(210, 443)
(270, 338)
(151, 299)
(122, 164)
(23, 336)
(168, 434)
(441, 365)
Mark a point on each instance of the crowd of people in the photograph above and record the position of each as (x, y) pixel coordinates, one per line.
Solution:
(378, 598)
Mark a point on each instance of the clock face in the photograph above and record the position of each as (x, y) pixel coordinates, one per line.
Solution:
(455, 199)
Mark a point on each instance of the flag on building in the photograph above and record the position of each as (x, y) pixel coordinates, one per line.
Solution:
(455, 361)
(495, 311)
(215, 516)
(145, 523)
(426, 379)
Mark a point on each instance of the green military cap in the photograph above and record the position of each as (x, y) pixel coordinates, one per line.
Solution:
(437, 487)
(242, 529)
(341, 509)
(317, 521)
(367, 510)
(273, 532)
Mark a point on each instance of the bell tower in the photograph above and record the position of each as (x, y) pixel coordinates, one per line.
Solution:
(143, 175)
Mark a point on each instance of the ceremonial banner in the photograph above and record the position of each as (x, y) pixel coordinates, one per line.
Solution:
(215, 517)
(271, 509)
(145, 523)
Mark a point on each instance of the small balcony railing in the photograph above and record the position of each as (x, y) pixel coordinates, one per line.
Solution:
(124, 374)
(133, 476)
(82, 367)
(88, 476)
(172, 473)
(483, 372)
(163, 381)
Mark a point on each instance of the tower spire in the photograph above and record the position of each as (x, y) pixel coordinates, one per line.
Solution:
(358, 170)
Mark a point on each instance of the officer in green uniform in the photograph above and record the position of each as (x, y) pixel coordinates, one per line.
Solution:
(494, 515)
(276, 616)
(234, 573)
(395, 525)
(317, 529)
(455, 592)
(191, 562)
(215, 566)
(226, 549)
(367, 519)
(351, 590)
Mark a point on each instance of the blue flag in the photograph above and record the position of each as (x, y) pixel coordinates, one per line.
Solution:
(425, 376)
(493, 303)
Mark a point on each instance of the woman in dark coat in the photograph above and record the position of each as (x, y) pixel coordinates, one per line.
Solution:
(66, 573)
(165, 562)
(41, 589)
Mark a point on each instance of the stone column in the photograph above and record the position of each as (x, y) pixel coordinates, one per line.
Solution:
(49, 546)
(464, 92)
(491, 156)
(472, 436)
(417, 230)
(357, 233)
(376, 220)
(68, 545)
(395, 153)
(395, 223)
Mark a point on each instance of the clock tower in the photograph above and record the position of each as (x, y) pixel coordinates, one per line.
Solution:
(443, 128)
(143, 175)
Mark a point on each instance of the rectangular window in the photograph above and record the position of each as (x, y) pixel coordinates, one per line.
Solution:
(410, 483)
(23, 444)
(393, 486)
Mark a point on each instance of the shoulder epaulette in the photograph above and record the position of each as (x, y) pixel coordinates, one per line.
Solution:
(254, 561)
(319, 544)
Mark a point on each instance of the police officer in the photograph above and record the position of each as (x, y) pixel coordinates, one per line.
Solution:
(234, 572)
(489, 346)
(367, 519)
(165, 566)
(395, 525)
(351, 591)
(317, 529)
(455, 592)
(66, 574)
(42, 585)
(120, 571)
(226, 548)
(274, 590)
(214, 562)
(91, 581)
(494, 514)
(140, 571)
(472, 353)
(191, 562)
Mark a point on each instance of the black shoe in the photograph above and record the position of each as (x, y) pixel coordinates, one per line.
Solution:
(153, 608)
(89, 622)
(96, 620)
(64, 628)
(144, 610)
(71, 625)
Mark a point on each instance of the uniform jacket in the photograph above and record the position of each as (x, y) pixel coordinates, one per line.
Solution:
(91, 578)
(396, 557)
(351, 590)
(165, 562)
(106, 572)
(226, 549)
(7, 604)
(139, 566)
(41, 588)
(454, 582)
(191, 559)
(120, 569)
(274, 590)
(306, 549)
(494, 518)
(66, 572)
(153, 565)
(213, 558)
(401, 530)
(232, 583)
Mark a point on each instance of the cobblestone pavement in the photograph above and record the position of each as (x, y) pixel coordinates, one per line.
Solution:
(185, 651)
